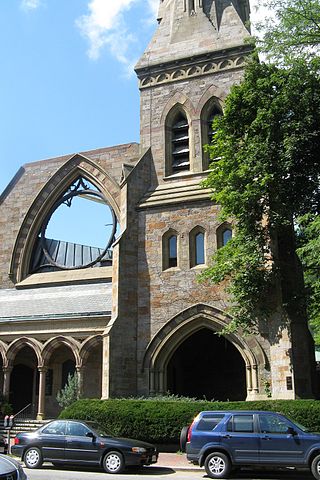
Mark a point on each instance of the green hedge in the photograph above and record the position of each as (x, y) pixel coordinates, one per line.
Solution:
(160, 421)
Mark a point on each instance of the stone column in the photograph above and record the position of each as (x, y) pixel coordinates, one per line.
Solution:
(42, 392)
(80, 373)
(6, 381)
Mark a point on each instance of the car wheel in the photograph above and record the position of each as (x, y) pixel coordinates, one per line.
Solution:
(113, 462)
(217, 465)
(33, 458)
(183, 438)
(315, 467)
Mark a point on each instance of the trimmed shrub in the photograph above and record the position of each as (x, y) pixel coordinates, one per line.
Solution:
(160, 421)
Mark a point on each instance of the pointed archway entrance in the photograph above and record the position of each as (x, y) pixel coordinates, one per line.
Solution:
(23, 380)
(207, 365)
(188, 357)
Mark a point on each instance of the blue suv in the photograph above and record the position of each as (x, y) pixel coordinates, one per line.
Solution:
(224, 440)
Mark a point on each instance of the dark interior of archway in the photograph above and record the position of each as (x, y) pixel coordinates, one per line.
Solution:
(21, 387)
(207, 366)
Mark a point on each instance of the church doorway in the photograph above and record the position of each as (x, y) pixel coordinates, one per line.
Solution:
(207, 366)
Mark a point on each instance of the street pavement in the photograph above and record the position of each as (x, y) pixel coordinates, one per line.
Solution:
(172, 466)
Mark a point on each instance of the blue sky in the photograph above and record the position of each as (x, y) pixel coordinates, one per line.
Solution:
(67, 83)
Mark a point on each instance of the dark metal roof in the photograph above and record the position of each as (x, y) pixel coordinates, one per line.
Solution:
(67, 254)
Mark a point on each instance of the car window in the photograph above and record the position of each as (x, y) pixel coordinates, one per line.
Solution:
(55, 428)
(273, 424)
(77, 429)
(240, 423)
(209, 421)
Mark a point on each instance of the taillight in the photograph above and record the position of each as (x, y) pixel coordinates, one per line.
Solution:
(190, 432)
(16, 441)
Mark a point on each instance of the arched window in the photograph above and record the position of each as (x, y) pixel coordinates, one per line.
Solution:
(224, 234)
(197, 247)
(173, 258)
(210, 111)
(169, 250)
(180, 152)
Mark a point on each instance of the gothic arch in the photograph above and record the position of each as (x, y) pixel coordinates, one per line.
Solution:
(87, 345)
(76, 166)
(165, 249)
(56, 342)
(198, 229)
(182, 326)
(22, 342)
(183, 102)
(212, 94)
(3, 352)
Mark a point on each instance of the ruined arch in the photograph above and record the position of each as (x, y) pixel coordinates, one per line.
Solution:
(184, 325)
(76, 166)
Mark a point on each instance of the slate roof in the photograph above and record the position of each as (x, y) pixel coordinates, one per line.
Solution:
(47, 302)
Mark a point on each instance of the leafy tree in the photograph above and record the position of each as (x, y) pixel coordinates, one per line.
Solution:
(309, 253)
(293, 31)
(265, 175)
(70, 393)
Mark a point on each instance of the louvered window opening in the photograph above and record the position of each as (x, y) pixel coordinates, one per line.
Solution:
(180, 145)
(211, 132)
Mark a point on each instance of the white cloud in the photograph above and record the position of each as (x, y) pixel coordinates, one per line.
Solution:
(30, 4)
(105, 27)
(153, 6)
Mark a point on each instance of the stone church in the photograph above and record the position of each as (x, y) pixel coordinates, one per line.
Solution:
(131, 319)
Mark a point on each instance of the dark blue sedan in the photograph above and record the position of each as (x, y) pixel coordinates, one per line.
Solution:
(81, 443)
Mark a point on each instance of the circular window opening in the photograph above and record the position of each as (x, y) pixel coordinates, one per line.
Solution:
(78, 231)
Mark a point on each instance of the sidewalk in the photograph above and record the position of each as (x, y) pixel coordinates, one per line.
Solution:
(176, 461)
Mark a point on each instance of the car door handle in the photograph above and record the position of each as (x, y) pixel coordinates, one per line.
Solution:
(226, 436)
(265, 437)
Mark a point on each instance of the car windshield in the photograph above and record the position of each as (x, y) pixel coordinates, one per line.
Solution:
(302, 427)
(101, 431)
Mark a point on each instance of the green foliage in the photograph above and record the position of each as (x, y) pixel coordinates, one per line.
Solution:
(70, 393)
(264, 174)
(5, 406)
(293, 32)
(161, 421)
(309, 253)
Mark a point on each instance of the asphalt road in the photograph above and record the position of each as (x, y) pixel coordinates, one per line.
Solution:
(48, 472)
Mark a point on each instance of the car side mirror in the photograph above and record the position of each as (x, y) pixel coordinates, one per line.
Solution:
(291, 431)
(90, 435)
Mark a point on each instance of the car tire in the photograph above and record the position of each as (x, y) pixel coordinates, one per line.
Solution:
(33, 457)
(183, 438)
(315, 467)
(113, 462)
(217, 465)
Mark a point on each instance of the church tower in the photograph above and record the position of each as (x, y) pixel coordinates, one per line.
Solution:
(195, 55)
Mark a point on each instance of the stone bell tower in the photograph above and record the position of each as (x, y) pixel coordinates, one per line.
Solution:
(199, 45)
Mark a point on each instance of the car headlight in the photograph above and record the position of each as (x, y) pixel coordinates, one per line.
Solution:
(138, 450)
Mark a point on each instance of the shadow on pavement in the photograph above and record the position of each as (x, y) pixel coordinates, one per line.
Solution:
(152, 470)
(271, 475)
